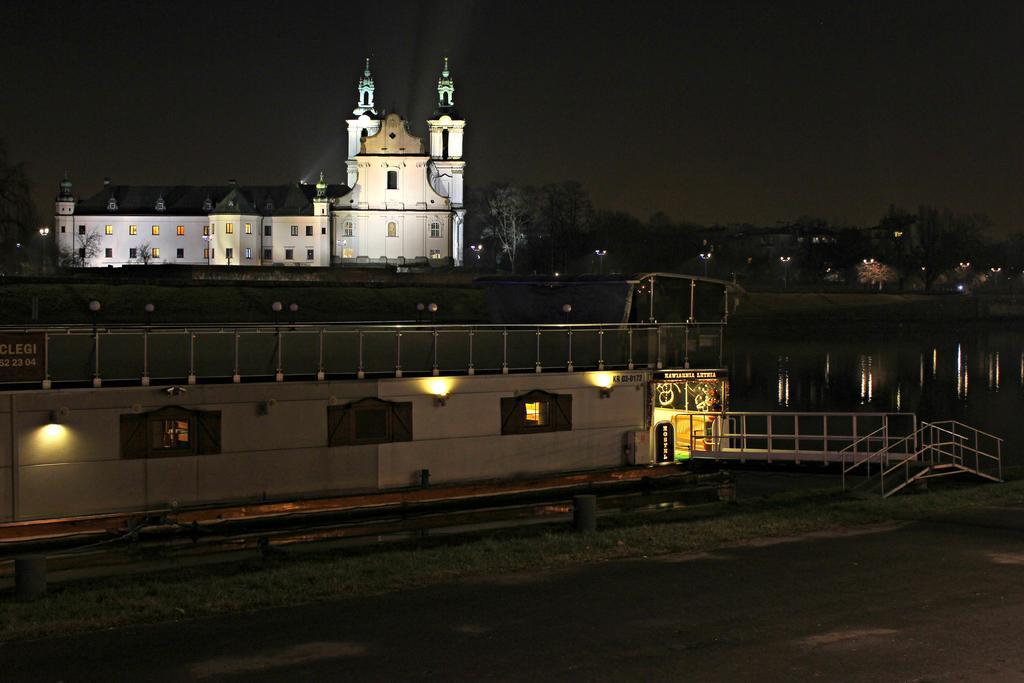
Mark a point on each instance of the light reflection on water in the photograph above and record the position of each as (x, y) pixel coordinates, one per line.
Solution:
(923, 370)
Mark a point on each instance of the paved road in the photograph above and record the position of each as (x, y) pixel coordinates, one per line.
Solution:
(935, 601)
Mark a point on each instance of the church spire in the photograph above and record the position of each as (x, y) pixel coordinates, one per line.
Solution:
(365, 103)
(445, 88)
(321, 187)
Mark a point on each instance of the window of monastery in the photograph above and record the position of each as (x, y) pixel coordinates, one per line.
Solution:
(266, 231)
(229, 228)
(248, 252)
(435, 253)
(109, 253)
(81, 229)
(181, 231)
(206, 253)
(323, 229)
(206, 231)
(309, 254)
(295, 231)
(435, 229)
(133, 230)
(156, 252)
(133, 253)
(392, 180)
(347, 231)
(248, 228)
(81, 252)
(348, 252)
(392, 229)
(108, 229)
(268, 254)
(180, 253)
(229, 253)
(289, 254)
(309, 231)
(156, 229)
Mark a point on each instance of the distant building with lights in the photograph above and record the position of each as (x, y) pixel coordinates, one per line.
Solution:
(400, 204)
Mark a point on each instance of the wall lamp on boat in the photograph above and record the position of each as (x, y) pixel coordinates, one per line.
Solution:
(440, 389)
(603, 381)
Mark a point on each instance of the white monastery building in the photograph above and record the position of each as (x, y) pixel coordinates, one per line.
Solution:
(400, 204)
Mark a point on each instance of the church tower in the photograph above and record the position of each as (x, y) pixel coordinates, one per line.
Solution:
(364, 123)
(65, 219)
(447, 167)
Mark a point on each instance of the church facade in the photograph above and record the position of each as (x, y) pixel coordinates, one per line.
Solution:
(401, 203)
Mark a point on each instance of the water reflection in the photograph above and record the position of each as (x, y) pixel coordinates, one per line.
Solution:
(926, 370)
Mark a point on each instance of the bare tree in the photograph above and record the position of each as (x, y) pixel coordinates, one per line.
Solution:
(17, 214)
(872, 272)
(86, 248)
(145, 253)
(508, 217)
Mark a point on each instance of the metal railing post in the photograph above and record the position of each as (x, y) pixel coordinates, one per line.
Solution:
(537, 366)
(434, 371)
(96, 381)
(629, 337)
(321, 375)
(145, 357)
(659, 363)
(279, 376)
(600, 349)
(398, 353)
(470, 370)
(504, 352)
(237, 376)
(360, 374)
(569, 366)
(191, 357)
(46, 363)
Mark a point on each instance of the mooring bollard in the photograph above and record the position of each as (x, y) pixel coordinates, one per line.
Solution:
(30, 577)
(584, 513)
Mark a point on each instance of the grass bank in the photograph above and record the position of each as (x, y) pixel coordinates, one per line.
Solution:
(201, 591)
(68, 303)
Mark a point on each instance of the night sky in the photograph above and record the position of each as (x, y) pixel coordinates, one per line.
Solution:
(713, 112)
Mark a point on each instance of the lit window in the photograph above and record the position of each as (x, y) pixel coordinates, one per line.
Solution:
(228, 253)
(170, 434)
(435, 229)
(213, 228)
(536, 413)
(109, 253)
(435, 253)
(266, 231)
(392, 229)
(108, 230)
(295, 231)
(248, 228)
(248, 252)
(268, 254)
(229, 229)
(133, 230)
(347, 232)
(288, 254)
(309, 254)
(180, 253)
(392, 180)
(348, 252)
(181, 231)
(309, 231)
(156, 229)
(206, 231)
(206, 253)
(156, 252)
(133, 253)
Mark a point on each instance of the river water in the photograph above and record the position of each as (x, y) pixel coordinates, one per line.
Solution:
(971, 373)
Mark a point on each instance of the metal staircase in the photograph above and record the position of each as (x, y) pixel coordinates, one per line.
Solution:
(934, 449)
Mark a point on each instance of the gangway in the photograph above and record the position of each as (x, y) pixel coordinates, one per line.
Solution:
(887, 450)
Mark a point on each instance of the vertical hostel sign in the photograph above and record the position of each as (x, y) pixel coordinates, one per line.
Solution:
(664, 442)
(21, 357)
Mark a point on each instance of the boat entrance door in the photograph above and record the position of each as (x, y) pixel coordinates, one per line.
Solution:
(693, 403)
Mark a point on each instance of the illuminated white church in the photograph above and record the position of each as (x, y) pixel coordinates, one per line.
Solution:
(400, 204)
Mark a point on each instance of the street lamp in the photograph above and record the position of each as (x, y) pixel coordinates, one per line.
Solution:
(705, 257)
(44, 231)
(995, 275)
(600, 253)
(433, 312)
(785, 270)
(94, 308)
(567, 309)
(149, 314)
(293, 308)
(476, 249)
(276, 308)
(419, 312)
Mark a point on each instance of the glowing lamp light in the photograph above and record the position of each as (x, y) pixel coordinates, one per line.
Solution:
(54, 432)
(603, 381)
(440, 388)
